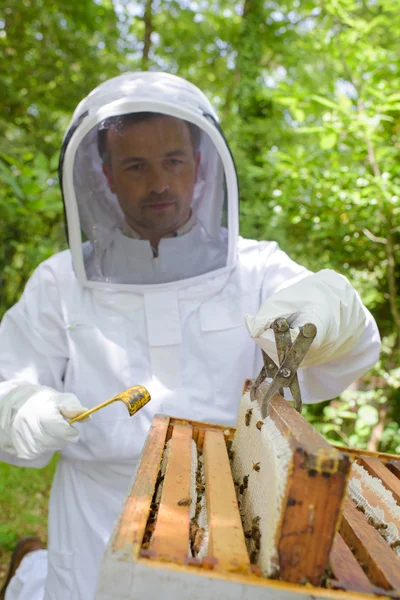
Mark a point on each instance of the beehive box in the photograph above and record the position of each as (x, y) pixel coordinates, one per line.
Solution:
(195, 523)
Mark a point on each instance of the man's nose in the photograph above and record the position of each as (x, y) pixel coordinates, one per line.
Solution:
(159, 179)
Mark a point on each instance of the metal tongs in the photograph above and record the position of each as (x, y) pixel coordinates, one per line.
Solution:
(290, 355)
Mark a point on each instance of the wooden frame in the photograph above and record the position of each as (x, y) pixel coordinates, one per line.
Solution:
(163, 567)
(315, 492)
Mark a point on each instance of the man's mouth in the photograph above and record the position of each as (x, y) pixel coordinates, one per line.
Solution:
(159, 205)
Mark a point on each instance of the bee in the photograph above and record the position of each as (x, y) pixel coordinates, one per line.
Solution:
(256, 535)
(231, 454)
(395, 544)
(256, 466)
(259, 424)
(185, 502)
(244, 485)
(198, 539)
(247, 417)
(247, 534)
(254, 556)
(200, 487)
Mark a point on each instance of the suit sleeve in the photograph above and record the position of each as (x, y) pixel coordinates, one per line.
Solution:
(33, 349)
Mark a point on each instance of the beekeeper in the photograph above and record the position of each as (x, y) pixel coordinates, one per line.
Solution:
(153, 292)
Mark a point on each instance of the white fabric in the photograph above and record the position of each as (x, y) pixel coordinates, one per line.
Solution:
(325, 299)
(30, 577)
(33, 421)
(128, 260)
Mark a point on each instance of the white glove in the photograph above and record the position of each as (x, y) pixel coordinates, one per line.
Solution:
(325, 299)
(32, 421)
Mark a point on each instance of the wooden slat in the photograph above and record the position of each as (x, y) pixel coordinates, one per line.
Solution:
(195, 435)
(200, 439)
(355, 453)
(199, 429)
(309, 521)
(394, 467)
(202, 425)
(226, 539)
(170, 539)
(381, 563)
(315, 491)
(346, 570)
(376, 501)
(318, 453)
(377, 469)
(134, 515)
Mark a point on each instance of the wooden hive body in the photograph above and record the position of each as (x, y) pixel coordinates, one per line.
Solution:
(158, 548)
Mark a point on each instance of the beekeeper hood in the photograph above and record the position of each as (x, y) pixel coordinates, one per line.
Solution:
(145, 153)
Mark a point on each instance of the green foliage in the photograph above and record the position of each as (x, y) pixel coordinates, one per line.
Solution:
(30, 209)
(308, 94)
(51, 50)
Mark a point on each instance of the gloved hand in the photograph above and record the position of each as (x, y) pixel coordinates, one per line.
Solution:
(33, 421)
(325, 299)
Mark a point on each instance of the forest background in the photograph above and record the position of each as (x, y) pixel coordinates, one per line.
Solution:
(309, 98)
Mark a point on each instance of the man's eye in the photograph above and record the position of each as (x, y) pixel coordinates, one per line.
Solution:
(136, 167)
(175, 161)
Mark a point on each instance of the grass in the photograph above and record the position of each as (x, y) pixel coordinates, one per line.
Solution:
(24, 496)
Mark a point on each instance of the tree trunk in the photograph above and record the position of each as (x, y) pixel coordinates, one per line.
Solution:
(247, 52)
(148, 30)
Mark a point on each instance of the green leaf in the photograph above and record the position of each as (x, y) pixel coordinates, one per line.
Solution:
(393, 97)
(325, 102)
(373, 24)
(11, 160)
(315, 129)
(328, 140)
(285, 100)
(31, 188)
(13, 183)
(53, 164)
(390, 107)
(299, 115)
(368, 415)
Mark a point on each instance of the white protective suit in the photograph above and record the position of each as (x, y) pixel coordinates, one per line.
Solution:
(108, 314)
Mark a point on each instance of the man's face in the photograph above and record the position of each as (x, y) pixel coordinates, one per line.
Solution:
(152, 170)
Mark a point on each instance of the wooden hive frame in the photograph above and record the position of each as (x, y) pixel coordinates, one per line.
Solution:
(137, 565)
